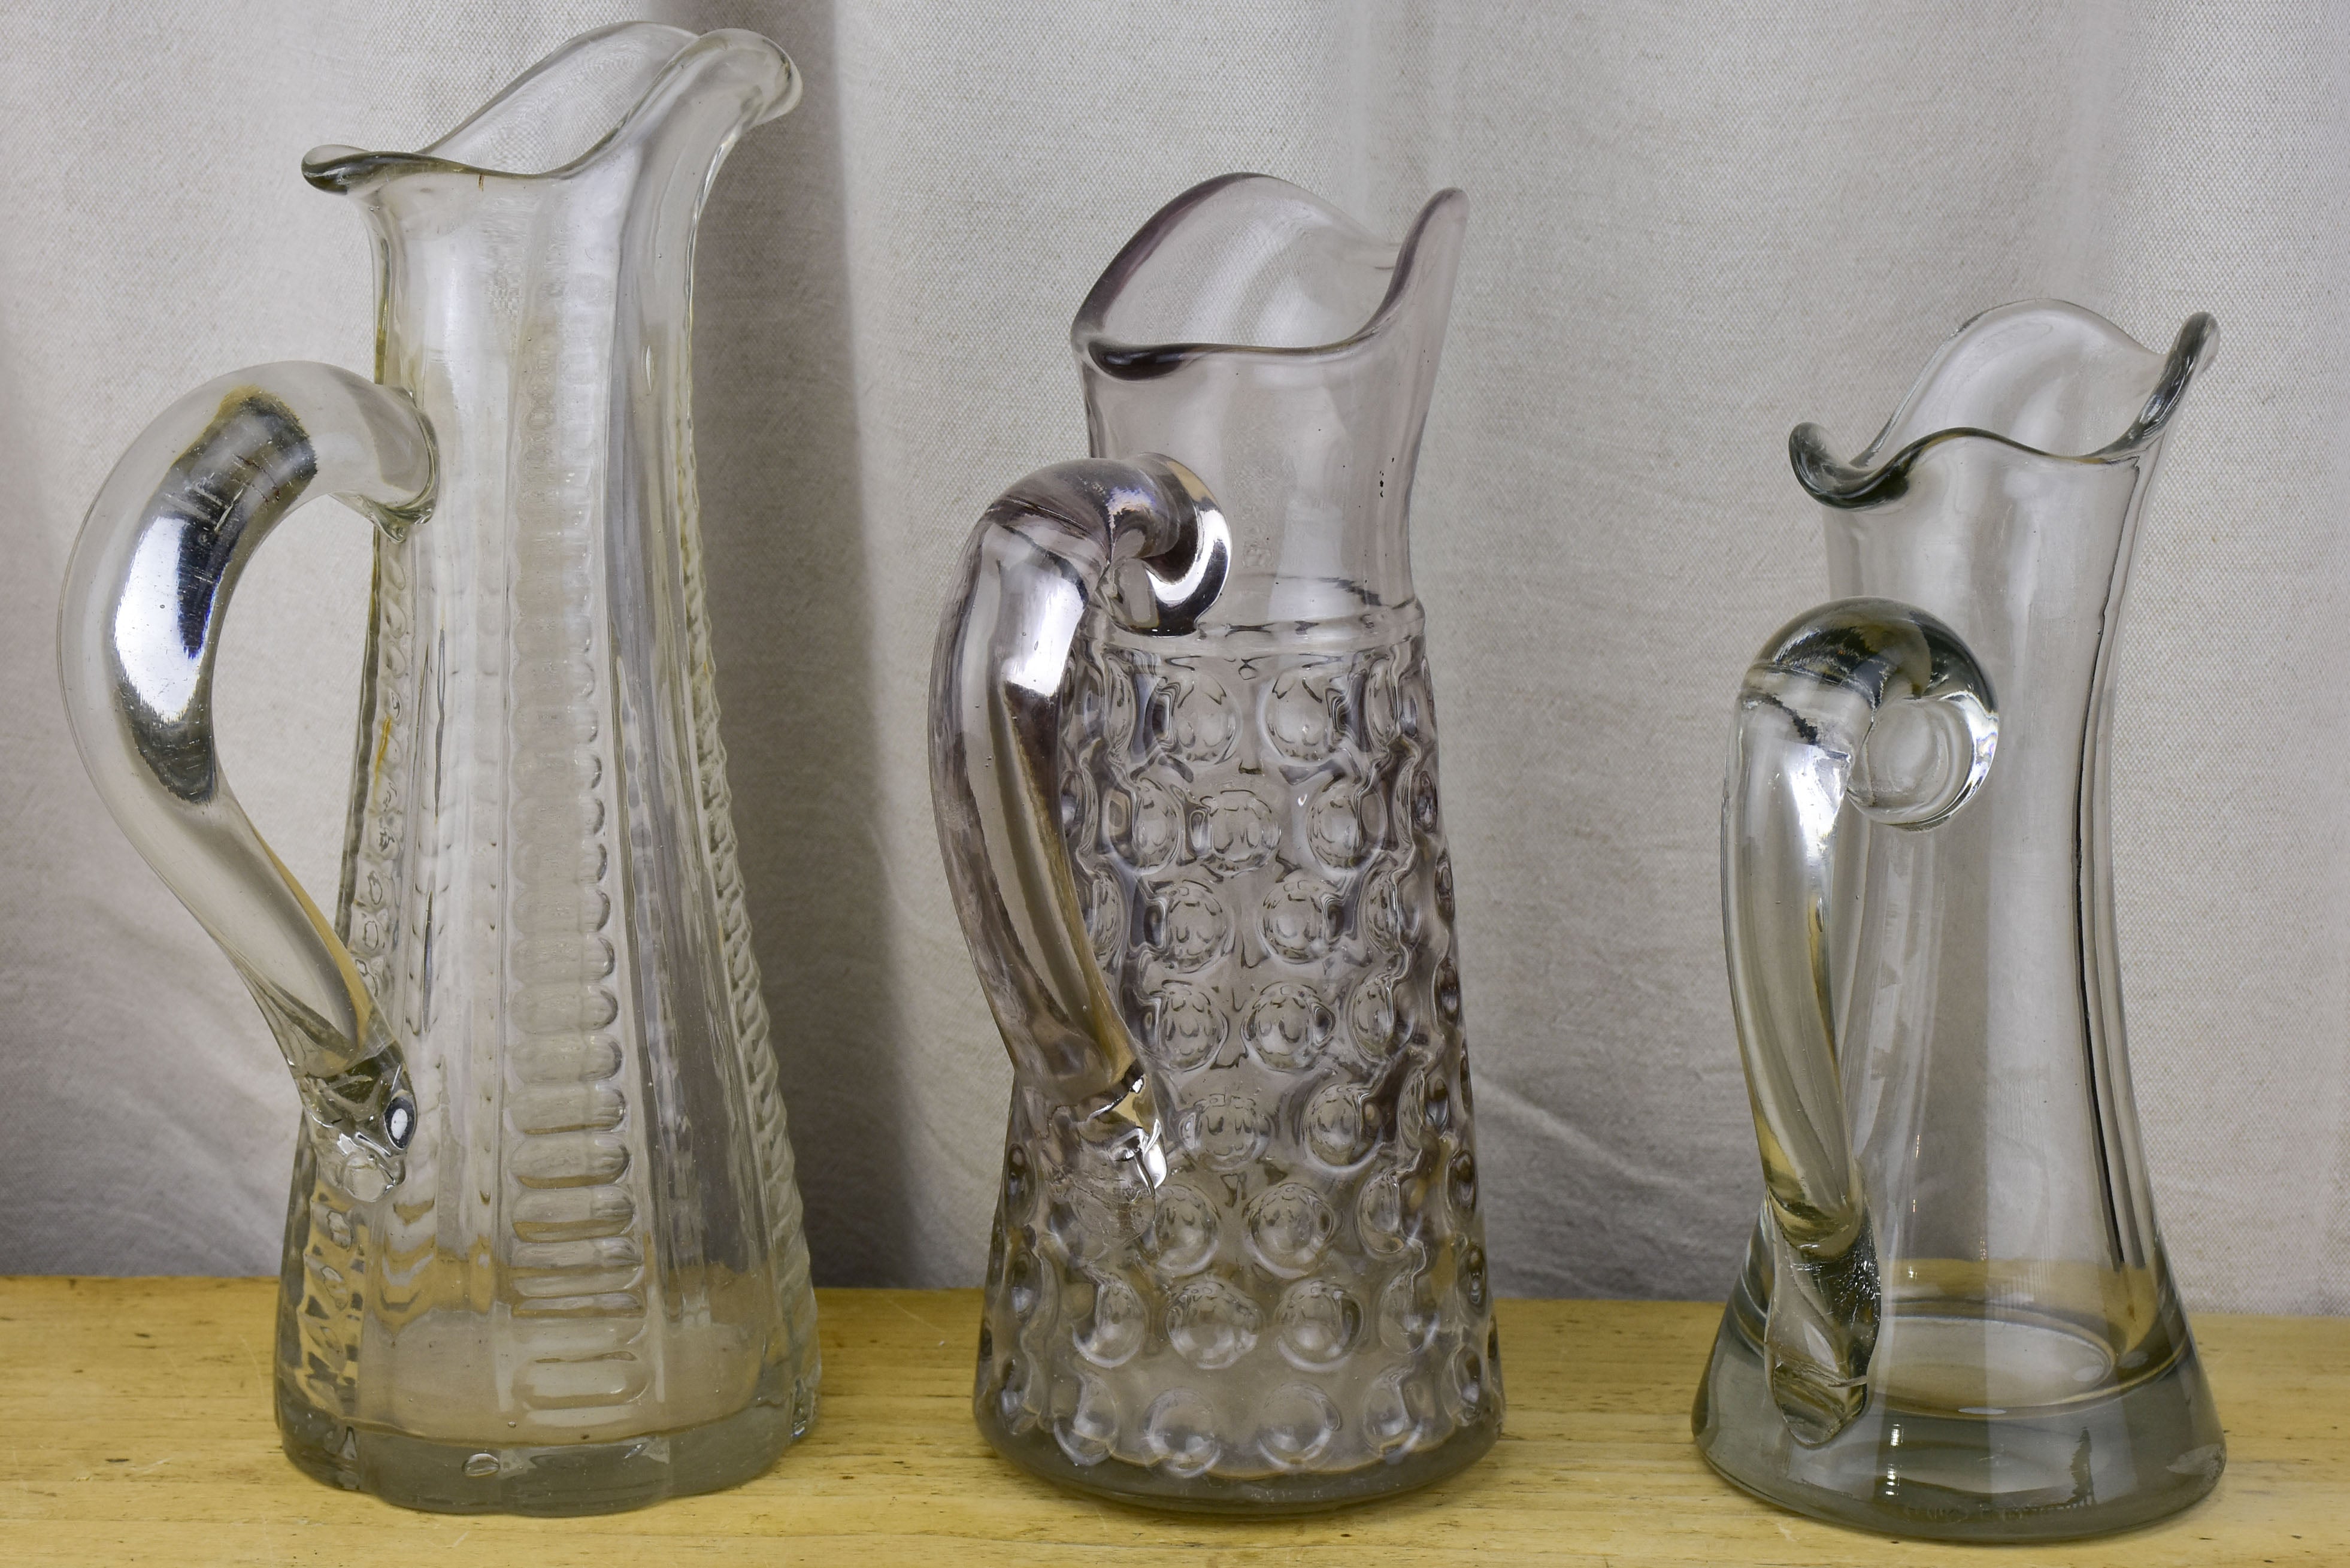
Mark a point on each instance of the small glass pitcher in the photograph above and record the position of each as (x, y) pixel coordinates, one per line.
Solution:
(1183, 753)
(543, 1252)
(1956, 1317)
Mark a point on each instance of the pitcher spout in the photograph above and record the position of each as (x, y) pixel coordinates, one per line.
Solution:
(2043, 378)
(1287, 354)
(558, 117)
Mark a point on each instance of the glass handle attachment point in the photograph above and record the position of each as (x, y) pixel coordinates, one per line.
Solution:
(1145, 543)
(147, 593)
(1876, 704)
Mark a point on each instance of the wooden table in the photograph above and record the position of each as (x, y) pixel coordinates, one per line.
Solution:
(135, 1429)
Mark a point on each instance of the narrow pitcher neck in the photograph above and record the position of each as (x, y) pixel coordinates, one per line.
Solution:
(2026, 556)
(522, 317)
(516, 298)
(2003, 494)
(1285, 356)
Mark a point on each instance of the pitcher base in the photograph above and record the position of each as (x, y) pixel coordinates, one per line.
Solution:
(2083, 1468)
(1272, 1495)
(440, 1476)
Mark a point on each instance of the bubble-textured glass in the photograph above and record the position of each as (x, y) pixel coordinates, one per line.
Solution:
(1183, 745)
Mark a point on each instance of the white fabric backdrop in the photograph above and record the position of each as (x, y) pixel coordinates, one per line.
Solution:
(1692, 226)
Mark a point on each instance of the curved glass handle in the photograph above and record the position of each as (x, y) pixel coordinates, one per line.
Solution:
(1878, 703)
(146, 595)
(1145, 539)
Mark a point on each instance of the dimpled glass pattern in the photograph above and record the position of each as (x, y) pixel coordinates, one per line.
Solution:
(1238, 1261)
(1258, 842)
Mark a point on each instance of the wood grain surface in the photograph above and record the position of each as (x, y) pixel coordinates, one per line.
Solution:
(135, 1429)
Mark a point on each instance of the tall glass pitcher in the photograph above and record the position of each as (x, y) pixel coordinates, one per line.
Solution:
(1183, 754)
(1956, 1318)
(544, 1250)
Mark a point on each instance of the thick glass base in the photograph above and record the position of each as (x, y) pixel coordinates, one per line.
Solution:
(2105, 1461)
(583, 1478)
(1271, 1495)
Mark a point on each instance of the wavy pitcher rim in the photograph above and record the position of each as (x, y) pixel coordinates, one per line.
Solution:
(1833, 481)
(344, 170)
(1119, 358)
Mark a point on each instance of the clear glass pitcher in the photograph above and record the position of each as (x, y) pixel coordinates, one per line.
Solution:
(1183, 752)
(543, 1252)
(1956, 1318)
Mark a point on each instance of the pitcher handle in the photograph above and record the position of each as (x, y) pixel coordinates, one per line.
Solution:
(1879, 704)
(1147, 540)
(146, 595)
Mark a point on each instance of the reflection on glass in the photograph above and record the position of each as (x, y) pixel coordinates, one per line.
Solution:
(544, 1249)
(1956, 1318)
(1193, 835)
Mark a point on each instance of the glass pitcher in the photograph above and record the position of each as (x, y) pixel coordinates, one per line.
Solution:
(543, 1252)
(1183, 752)
(1956, 1318)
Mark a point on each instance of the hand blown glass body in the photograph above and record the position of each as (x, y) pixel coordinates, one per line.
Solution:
(1184, 756)
(1956, 1317)
(544, 1249)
